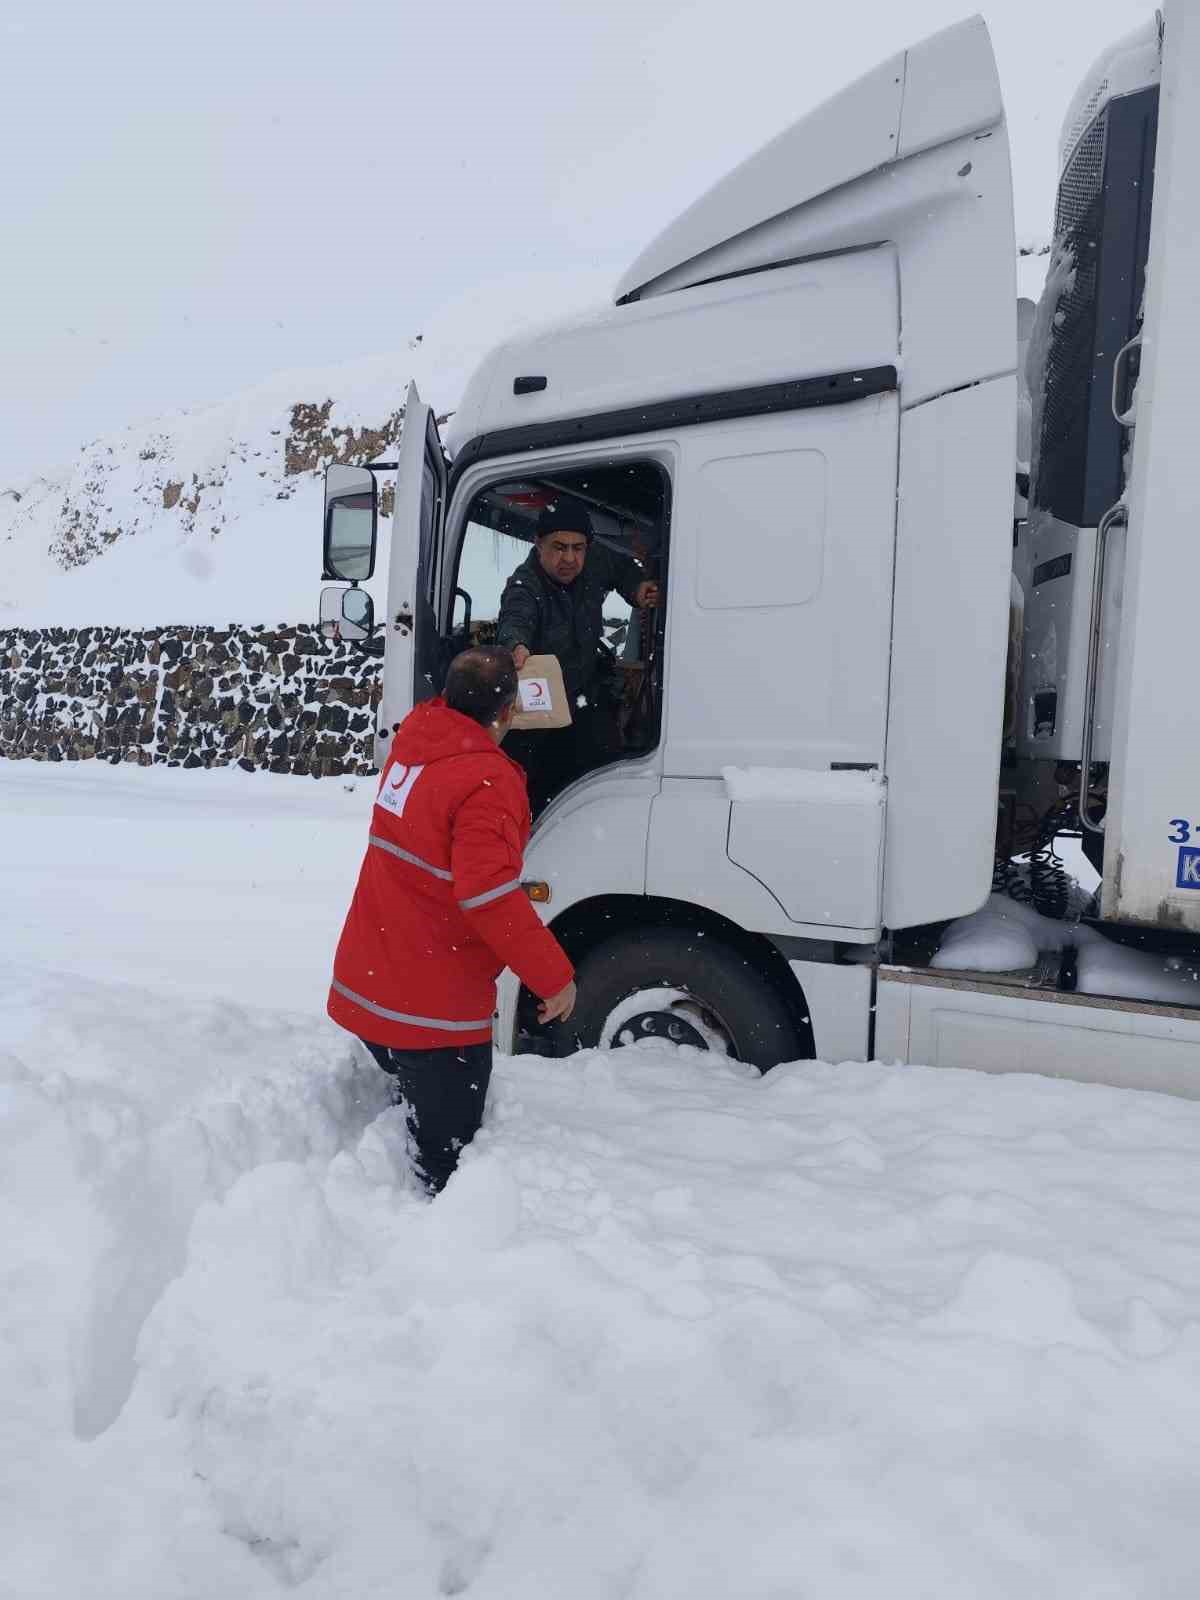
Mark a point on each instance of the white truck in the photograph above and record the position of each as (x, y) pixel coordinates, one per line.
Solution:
(802, 409)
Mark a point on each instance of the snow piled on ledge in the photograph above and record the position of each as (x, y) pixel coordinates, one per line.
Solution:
(1007, 936)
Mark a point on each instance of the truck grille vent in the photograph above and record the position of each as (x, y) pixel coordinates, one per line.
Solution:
(1102, 225)
(1064, 440)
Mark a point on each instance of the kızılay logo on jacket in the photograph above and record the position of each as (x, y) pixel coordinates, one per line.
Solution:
(396, 786)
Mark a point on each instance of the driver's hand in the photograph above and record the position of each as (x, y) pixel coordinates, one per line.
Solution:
(647, 594)
(520, 656)
(559, 1006)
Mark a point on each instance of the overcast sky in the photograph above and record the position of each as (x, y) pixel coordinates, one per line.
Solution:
(198, 195)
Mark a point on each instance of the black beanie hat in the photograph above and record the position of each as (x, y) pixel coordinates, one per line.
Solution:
(565, 515)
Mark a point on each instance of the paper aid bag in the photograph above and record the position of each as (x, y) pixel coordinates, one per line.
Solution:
(542, 696)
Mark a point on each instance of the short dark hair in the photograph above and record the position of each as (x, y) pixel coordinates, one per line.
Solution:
(481, 683)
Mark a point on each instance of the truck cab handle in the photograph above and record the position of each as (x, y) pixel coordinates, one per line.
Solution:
(1114, 515)
(1125, 418)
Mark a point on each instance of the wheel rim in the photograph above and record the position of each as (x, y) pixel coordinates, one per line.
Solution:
(669, 1017)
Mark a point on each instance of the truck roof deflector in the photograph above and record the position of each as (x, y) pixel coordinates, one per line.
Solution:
(938, 90)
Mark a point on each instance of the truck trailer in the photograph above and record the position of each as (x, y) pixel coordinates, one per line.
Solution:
(894, 661)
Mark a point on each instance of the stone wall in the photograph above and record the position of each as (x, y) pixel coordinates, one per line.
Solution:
(283, 699)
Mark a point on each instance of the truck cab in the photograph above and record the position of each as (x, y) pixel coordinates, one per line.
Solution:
(802, 403)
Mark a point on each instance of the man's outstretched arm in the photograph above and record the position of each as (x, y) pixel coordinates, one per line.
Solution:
(517, 625)
(486, 860)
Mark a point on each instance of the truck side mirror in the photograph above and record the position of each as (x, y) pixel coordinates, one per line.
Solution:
(347, 614)
(350, 523)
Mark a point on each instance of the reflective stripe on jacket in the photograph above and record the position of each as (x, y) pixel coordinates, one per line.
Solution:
(438, 910)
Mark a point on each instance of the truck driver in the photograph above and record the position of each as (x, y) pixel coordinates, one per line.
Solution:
(554, 605)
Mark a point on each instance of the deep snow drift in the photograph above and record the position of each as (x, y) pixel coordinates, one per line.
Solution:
(672, 1330)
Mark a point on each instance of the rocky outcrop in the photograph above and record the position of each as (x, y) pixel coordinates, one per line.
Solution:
(115, 492)
(315, 440)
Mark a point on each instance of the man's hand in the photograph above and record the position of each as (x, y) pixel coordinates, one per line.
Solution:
(647, 595)
(520, 656)
(559, 1006)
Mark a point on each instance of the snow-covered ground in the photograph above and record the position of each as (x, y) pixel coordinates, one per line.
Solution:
(213, 882)
(672, 1330)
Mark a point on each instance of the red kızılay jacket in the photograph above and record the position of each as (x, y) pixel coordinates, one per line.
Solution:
(438, 910)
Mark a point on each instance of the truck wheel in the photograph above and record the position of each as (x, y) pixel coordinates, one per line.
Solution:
(683, 988)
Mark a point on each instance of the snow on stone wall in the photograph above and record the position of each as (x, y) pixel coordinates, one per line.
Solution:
(283, 699)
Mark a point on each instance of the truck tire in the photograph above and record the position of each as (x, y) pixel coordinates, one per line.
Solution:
(683, 987)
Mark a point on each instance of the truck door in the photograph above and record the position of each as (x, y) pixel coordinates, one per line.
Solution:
(412, 660)
(784, 529)
(780, 628)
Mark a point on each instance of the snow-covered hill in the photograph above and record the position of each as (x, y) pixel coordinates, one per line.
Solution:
(209, 516)
(205, 516)
(213, 515)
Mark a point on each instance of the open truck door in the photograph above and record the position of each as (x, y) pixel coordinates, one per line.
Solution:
(412, 667)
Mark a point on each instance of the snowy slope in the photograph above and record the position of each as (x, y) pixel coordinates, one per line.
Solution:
(214, 515)
(194, 517)
(673, 1330)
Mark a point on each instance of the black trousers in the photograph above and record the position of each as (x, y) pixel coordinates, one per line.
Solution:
(443, 1094)
(554, 758)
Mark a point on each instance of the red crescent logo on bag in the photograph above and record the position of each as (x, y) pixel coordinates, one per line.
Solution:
(537, 687)
(403, 771)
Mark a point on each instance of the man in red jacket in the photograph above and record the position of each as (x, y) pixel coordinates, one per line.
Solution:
(439, 911)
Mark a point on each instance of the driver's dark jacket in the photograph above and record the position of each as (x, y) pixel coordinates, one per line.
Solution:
(566, 620)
